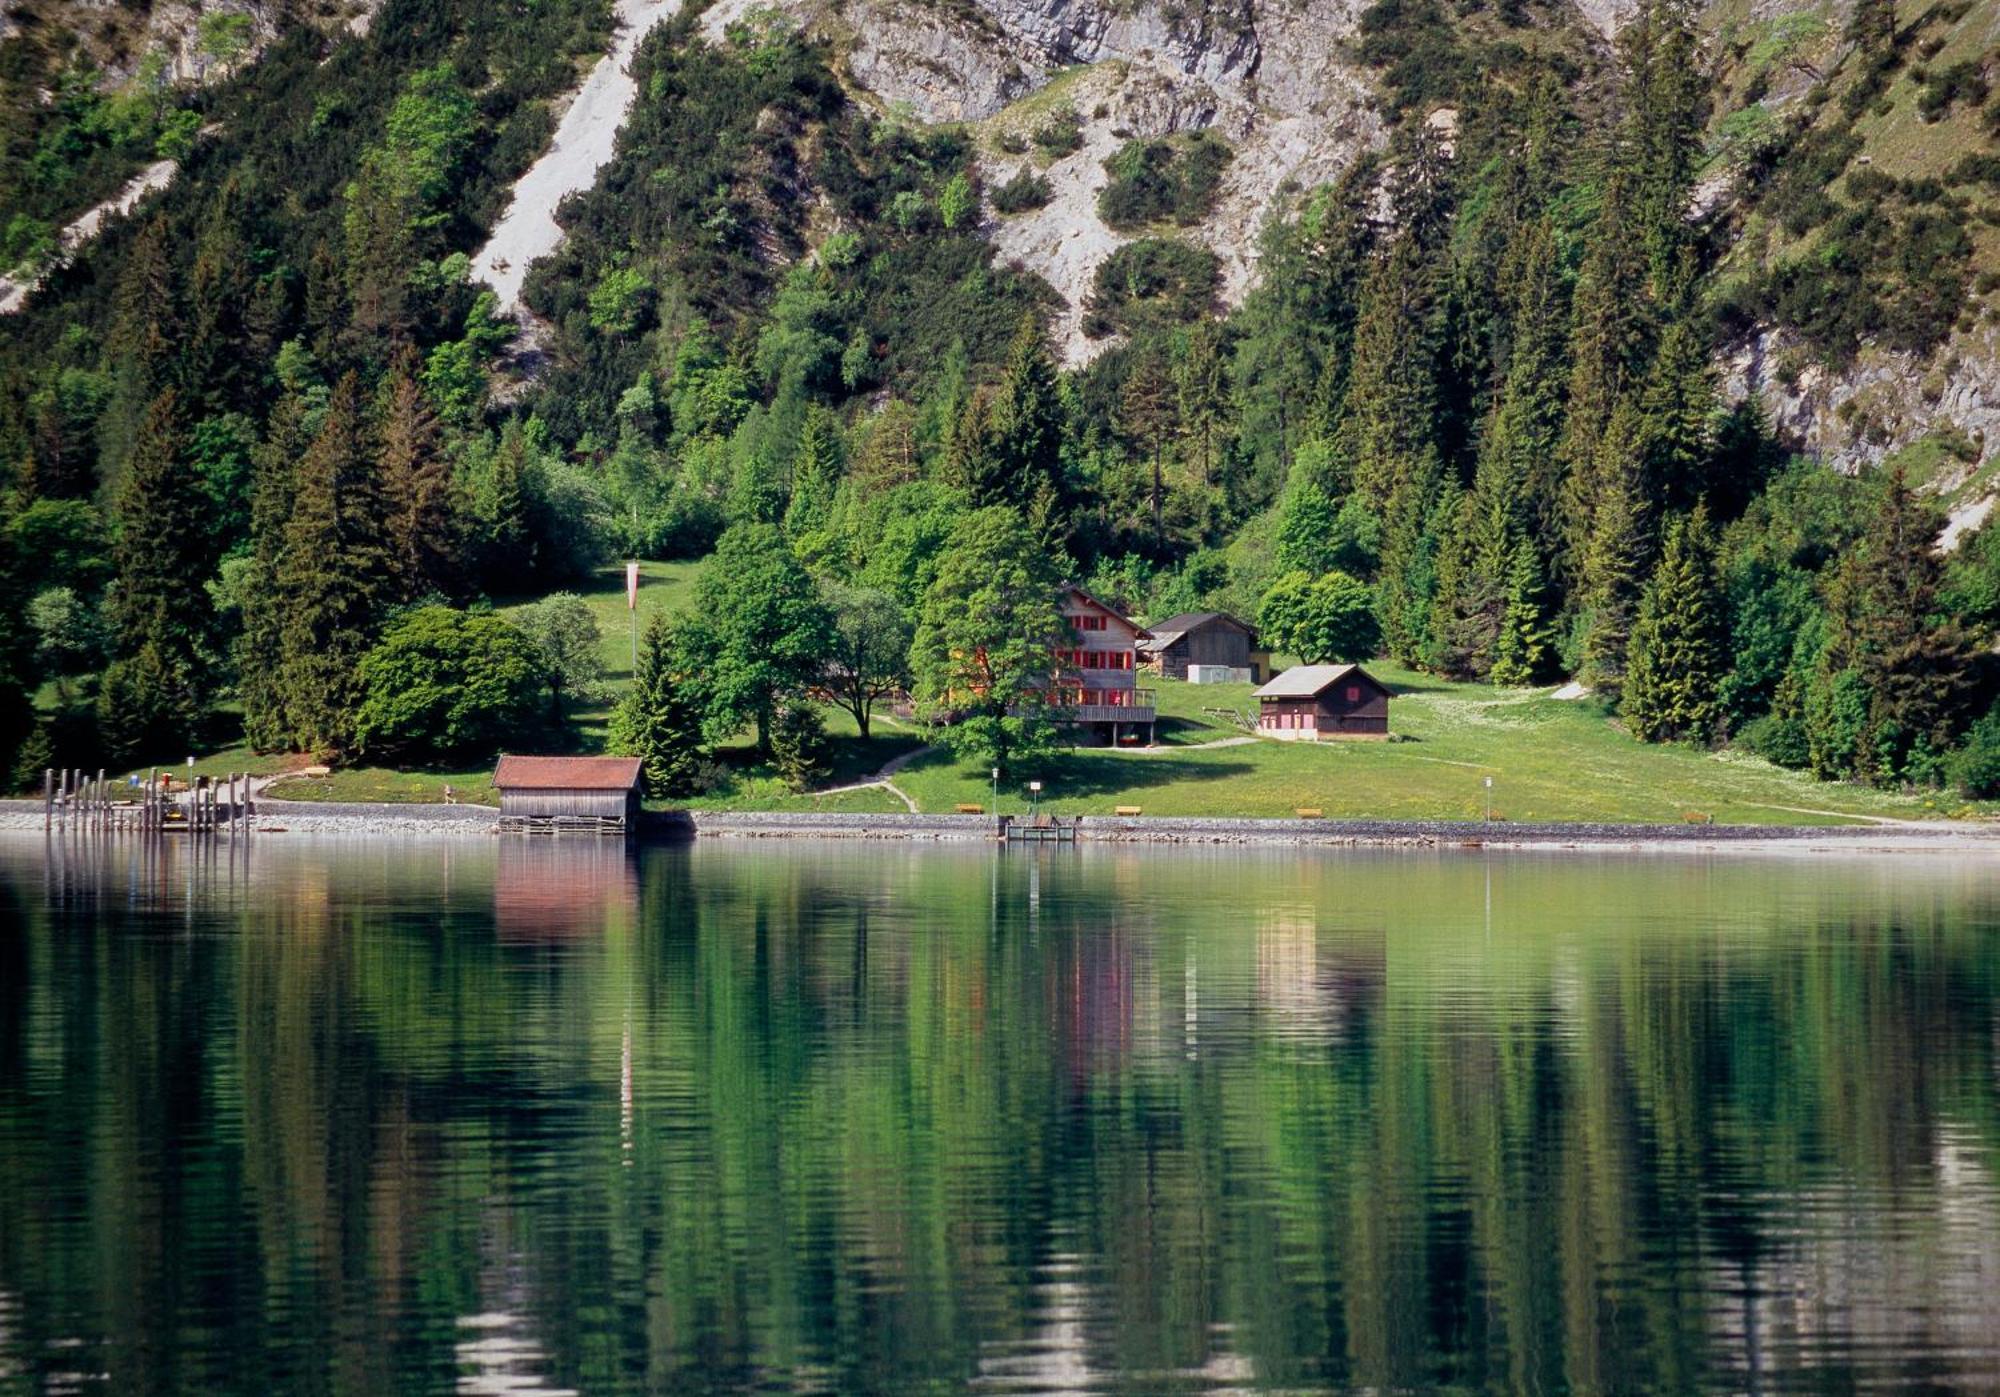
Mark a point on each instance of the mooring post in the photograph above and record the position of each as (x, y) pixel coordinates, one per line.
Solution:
(48, 796)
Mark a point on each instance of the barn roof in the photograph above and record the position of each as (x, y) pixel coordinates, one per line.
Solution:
(1308, 681)
(1166, 632)
(567, 773)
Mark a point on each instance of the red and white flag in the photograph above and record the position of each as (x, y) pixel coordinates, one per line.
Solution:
(631, 586)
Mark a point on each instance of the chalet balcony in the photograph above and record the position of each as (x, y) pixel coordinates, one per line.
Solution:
(1140, 706)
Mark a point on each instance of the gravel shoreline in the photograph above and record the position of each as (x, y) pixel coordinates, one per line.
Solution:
(459, 821)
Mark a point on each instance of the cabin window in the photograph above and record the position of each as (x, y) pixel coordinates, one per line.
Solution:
(1354, 693)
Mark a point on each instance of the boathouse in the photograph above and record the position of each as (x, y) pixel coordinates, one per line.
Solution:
(1311, 702)
(562, 790)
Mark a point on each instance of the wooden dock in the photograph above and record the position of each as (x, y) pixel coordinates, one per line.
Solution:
(1039, 829)
(75, 801)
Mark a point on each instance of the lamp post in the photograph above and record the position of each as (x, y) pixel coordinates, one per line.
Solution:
(996, 792)
(1489, 800)
(1034, 799)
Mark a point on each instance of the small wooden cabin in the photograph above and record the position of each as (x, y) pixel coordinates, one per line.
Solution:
(1202, 638)
(1311, 702)
(568, 788)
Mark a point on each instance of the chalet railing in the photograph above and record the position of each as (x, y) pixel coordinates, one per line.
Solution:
(1140, 707)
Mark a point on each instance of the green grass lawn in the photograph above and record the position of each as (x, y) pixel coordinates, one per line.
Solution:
(1549, 760)
(374, 784)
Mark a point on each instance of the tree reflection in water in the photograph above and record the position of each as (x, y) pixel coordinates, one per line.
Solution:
(356, 1116)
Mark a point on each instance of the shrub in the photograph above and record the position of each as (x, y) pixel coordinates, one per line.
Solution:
(1027, 190)
(1975, 767)
(1060, 135)
(1153, 180)
(1152, 284)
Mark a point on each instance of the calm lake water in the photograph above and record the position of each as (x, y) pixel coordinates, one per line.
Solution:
(378, 1117)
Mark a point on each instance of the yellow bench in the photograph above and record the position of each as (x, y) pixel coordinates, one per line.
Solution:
(1129, 810)
(1310, 812)
(1696, 817)
(972, 810)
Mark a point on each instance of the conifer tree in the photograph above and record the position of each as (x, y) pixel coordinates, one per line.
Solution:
(1611, 329)
(145, 331)
(1615, 561)
(1525, 648)
(1467, 609)
(421, 514)
(1679, 654)
(260, 649)
(1418, 513)
(659, 719)
(816, 472)
(334, 577)
(1909, 663)
(1027, 418)
(1391, 398)
(1680, 410)
(149, 698)
(1201, 381)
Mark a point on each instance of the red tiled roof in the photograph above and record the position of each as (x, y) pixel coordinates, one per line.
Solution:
(567, 773)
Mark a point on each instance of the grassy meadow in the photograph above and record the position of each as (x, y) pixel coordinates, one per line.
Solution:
(1549, 759)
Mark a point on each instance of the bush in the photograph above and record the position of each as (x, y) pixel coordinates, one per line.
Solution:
(1781, 740)
(798, 745)
(1060, 135)
(445, 683)
(1975, 767)
(1025, 191)
(1153, 180)
(1152, 284)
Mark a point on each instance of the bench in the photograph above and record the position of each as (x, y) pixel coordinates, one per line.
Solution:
(1696, 817)
(1310, 812)
(1129, 810)
(972, 810)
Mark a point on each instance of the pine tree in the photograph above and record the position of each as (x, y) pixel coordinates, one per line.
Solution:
(1679, 407)
(1518, 473)
(1201, 381)
(816, 472)
(1027, 421)
(145, 331)
(1910, 662)
(659, 719)
(334, 577)
(1608, 341)
(1467, 609)
(1615, 562)
(1679, 653)
(1526, 645)
(1391, 398)
(150, 696)
(260, 649)
(1146, 418)
(1416, 518)
(421, 512)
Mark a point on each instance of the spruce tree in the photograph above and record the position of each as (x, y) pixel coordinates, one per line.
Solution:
(1391, 397)
(659, 719)
(1911, 662)
(1467, 609)
(334, 577)
(150, 698)
(1679, 407)
(1616, 558)
(816, 472)
(1417, 516)
(260, 649)
(1679, 654)
(1525, 648)
(420, 507)
(1027, 419)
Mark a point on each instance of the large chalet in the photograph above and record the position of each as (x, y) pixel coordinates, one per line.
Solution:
(1097, 665)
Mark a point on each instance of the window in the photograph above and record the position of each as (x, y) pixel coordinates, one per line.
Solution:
(1354, 693)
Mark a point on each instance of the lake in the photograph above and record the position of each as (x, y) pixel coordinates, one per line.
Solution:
(492, 1117)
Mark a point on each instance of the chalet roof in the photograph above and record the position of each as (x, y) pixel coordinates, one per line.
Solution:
(1309, 681)
(567, 773)
(1138, 630)
(1166, 632)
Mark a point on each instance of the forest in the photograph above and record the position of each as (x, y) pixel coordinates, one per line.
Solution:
(272, 459)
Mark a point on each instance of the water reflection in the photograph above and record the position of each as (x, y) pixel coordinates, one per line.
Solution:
(507, 1116)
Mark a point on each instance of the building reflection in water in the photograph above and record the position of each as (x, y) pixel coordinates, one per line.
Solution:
(551, 890)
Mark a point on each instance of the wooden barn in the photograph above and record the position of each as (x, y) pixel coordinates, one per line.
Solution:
(1311, 702)
(1202, 638)
(558, 791)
